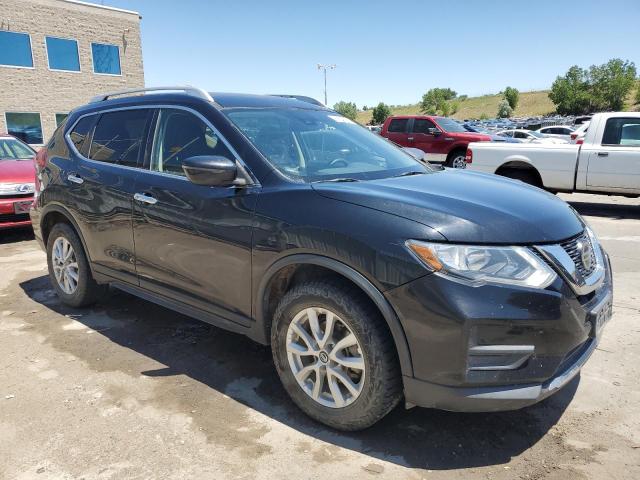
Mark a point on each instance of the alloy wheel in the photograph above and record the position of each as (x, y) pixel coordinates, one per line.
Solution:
(325, 357)
(459, 162)
(65, 265)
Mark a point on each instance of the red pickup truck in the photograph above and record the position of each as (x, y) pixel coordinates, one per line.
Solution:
(442, 139)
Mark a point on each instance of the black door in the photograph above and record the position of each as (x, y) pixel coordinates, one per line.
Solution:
(102, 187)
(193, 242)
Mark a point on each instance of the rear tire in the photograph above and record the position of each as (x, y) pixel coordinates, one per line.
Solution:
(69, 270)
(524, 175)
(375, 379)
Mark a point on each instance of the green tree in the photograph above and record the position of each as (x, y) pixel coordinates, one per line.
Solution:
(365, 108)
(437, 100)
(512, 95)
(380, 113)
(348, 109)
(455, 106)
(571, 93)
(611, 83)
(504, 109)
(484, 116)
(638, 94)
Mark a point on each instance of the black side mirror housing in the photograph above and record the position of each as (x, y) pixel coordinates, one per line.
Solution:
(211, 170)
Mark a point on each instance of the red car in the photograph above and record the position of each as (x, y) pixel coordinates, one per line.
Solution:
(442, 139)
(17, 182)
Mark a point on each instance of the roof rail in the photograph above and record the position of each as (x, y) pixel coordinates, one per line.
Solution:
(302, 98)
(189, 90)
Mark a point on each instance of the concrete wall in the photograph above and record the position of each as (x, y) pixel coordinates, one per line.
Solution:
(50, 92)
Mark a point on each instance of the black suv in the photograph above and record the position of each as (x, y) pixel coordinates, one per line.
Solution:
(374, 277)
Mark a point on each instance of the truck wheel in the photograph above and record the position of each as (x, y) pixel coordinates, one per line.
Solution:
(456, 159)
(69, 270)
(334, 355)
(527, 176)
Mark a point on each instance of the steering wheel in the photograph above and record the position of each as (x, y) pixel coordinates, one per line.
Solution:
(337, 161)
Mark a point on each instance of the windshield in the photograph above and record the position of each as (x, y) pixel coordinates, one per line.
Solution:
(449, 125)
(321, 145)
(15, 150)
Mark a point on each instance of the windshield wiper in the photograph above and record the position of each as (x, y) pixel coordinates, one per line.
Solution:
(408, 174)
(341, 179)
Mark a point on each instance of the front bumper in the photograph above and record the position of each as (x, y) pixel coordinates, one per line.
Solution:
(8, 216)
(446, 322)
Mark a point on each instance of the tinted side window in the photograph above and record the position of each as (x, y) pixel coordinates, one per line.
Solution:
(622, 131)
(80, 133)
(398, 125)
(422, 125)
(180, 135)
(118, 137)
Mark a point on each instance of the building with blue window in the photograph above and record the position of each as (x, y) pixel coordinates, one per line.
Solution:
(57, 54)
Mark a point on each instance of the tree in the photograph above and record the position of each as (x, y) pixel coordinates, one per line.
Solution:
(365, 108)
(602, 87)
(437, 100)
(571, 93)
(512, 95)
(504, 109)
(611, 83)
(638, 94)
(380, 113)
(348, 109)
(484, 116)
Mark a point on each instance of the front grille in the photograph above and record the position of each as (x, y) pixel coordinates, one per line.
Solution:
(12, 217)
(574, 248)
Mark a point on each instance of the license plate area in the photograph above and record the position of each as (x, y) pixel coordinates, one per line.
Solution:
(22, 207)
(600, 315)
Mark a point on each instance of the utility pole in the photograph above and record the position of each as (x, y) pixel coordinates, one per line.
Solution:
(325, 68)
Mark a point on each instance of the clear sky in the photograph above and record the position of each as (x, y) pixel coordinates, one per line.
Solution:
(391, 51)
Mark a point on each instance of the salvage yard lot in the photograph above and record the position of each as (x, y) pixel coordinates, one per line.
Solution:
(128, 389)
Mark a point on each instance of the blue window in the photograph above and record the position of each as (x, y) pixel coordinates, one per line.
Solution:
(63, 54)
(106, 59)
(25, 126)
(15, 49)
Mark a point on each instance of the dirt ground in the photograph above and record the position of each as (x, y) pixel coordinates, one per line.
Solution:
(128, 389)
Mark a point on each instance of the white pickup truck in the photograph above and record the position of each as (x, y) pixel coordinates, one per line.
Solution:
(607, 161)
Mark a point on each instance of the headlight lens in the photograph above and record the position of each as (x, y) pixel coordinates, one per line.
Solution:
(477, 264)
(17, 188)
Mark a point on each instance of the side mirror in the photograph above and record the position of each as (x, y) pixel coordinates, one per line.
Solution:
(435, 132)
(211, 170)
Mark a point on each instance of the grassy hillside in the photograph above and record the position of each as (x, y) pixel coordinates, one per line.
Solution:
(531, 103)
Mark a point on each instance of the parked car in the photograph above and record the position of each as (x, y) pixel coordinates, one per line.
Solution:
(582, 119)
(607, 161)
(557, 131)
(577, 136)
(374, 278)
(529, 136)
(443, 140)
(494, 137)
(17, 182)
(374, 128)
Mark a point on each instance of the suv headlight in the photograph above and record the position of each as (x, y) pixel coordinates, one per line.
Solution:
(477, 264)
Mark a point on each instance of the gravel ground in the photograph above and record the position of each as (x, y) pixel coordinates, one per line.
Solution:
(128, 389)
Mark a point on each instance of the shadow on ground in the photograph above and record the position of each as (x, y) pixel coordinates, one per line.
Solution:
(15, 235)
(416, 438)
(609, 210)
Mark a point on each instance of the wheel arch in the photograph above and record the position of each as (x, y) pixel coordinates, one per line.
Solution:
(519, 164)
(276, 278)
(55, 213)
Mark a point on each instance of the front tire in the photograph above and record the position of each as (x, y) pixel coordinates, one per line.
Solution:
(334, 355)
(456, 159)
(69, 270)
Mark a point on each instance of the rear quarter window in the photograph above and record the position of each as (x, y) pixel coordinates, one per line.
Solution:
(78, 135)
(398, 125)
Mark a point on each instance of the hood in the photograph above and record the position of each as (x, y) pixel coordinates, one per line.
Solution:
(17, 171)
(469, 136)
(466, 207)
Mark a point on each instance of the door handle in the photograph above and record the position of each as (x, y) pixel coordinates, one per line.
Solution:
(603, 154)
(410, 139)
(73, 178)
(141, 197)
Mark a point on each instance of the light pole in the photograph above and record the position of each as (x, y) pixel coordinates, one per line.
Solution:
(325, 68)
